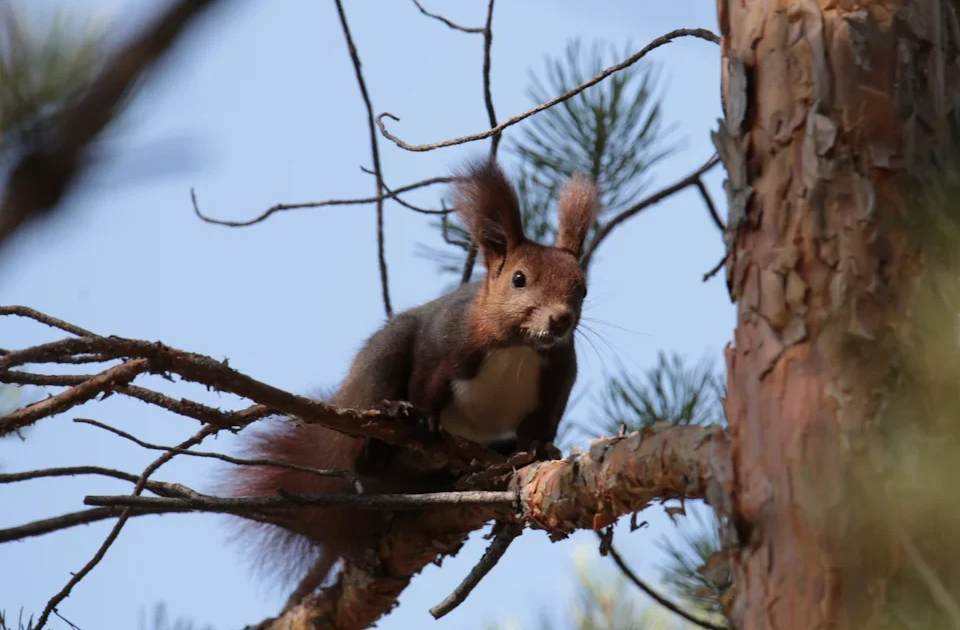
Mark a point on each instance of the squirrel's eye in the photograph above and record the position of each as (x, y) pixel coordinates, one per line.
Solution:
(519, 280)
(584, 291)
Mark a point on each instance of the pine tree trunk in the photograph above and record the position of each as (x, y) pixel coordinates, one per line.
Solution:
(829, 105)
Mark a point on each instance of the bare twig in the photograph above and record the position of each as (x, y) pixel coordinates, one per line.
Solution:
(657, 597)
(161, 488)
(710, 207)
(716, 268)
(660, 41)
(51, 606)
(375, 152)
(53, 322)
(280, 207)
(402, 202)
(106, 380)
(365, 501)
(660, 195)
(502, 539)
(323, 472)
(469, 264)
(183, 407)
(471, 260)
(487, 90)
(42, 177)
(440, 18)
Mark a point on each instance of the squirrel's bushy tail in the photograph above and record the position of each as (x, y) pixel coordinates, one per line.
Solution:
(303, 538)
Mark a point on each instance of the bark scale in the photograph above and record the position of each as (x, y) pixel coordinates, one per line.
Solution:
(829, 104)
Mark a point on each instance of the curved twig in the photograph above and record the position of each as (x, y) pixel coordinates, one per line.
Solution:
(281, 207)
(657, 597)
(453, 25)
(701, 33)
(660, 195)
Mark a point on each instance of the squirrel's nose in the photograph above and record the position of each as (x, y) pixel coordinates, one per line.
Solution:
(560, 324)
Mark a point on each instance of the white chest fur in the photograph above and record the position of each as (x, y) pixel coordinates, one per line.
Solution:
(491, 405)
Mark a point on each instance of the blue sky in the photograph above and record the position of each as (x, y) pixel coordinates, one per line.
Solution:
(259, 106)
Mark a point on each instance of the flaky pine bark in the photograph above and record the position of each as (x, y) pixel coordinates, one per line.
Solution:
(828, 106)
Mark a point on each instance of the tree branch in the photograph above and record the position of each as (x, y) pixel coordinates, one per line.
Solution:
(453, 25)
(105, 381)
(660, 41)
(584, 491)
(41, 178)
(657, 197)
(501, 541)
(51, 606)
(161, 488)
(323, 472)
(240, 505)
(280, 207)
(375, 152)
(654, 595)
(391, 422)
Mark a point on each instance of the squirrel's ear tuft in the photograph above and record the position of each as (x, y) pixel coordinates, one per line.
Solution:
(487, 203)
(577, 210)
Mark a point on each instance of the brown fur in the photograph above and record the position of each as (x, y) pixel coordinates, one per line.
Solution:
(486, 360)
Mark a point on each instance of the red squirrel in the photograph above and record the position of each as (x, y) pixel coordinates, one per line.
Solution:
(492, 361)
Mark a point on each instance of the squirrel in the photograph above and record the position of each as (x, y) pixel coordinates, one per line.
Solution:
(492, 361)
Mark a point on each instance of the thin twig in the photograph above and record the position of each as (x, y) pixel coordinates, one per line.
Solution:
(440, 18)
(280, 207)
(491, 556)
(51, 606)
(709, 201)
(183, 407)
(87, 517)
(161, 488)
(655, 198)
(402, 202)
(233, 505)
(26, 311)
(471, 260)
(104, 381)
(487, 90)
(469, 264)
(660, 41)
(375, 152)
(323, 472)
(646, 588)
(716, 269)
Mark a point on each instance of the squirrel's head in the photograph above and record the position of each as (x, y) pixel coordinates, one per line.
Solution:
(532, 293)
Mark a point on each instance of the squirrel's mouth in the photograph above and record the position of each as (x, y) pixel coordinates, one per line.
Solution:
(544, 339)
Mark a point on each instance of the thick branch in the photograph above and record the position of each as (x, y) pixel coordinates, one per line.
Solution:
(399, 429)
(586, 491)
(41, 178)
